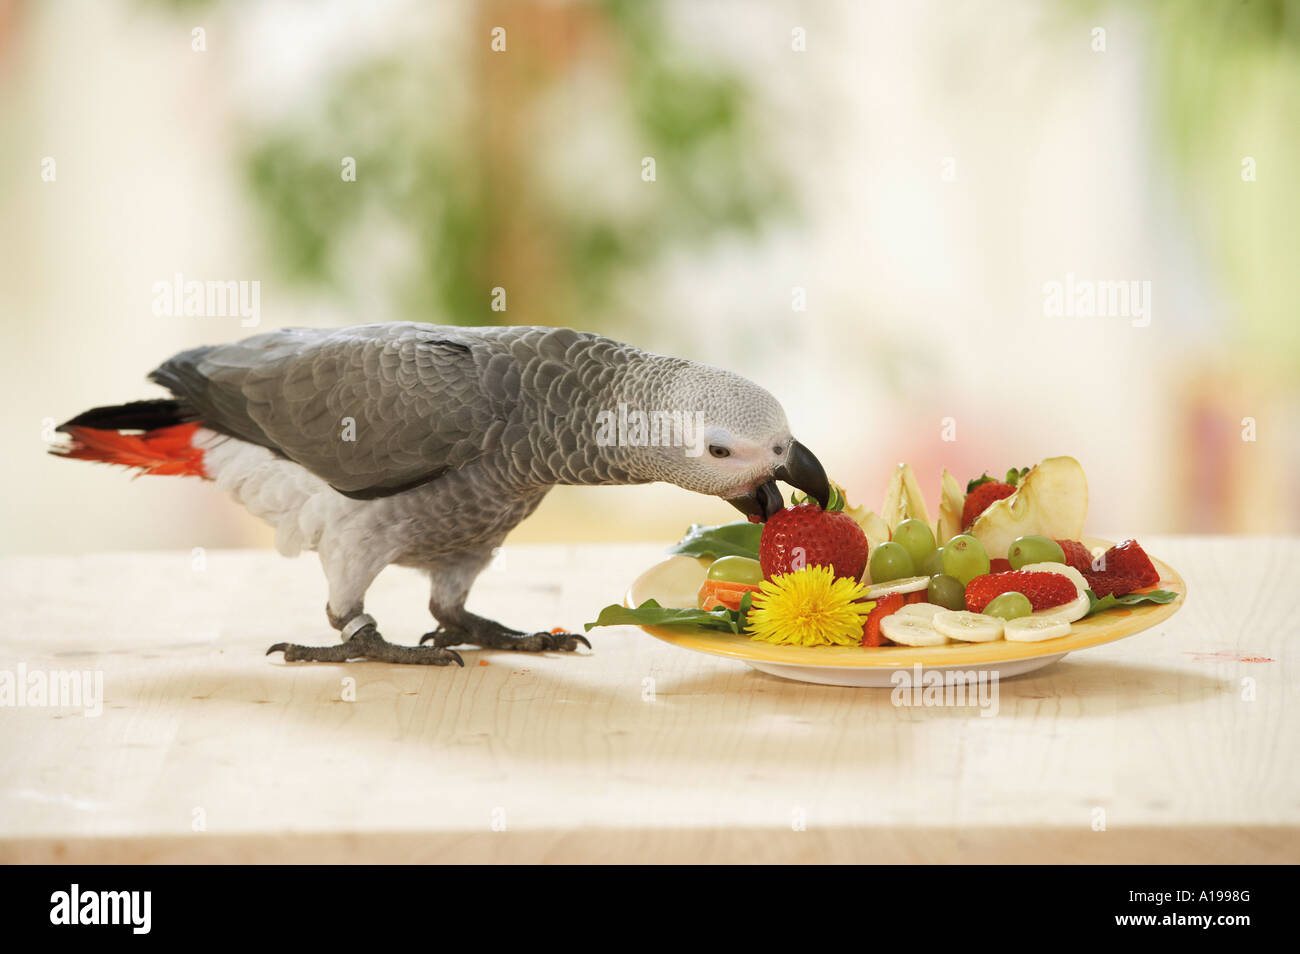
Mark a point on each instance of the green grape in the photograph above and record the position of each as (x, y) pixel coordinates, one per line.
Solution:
(1034, 549)
(1010, 605)
(964, 557)
(916, 538)
(932, 564)
(890, 561)
(946, 591)
(736, 569)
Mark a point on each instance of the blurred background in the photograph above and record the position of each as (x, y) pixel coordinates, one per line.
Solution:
(859, 205)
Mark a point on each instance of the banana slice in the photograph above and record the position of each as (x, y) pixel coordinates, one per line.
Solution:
(911, 630)
(923, 611)
(1076, 609)
(968, 627)
(1031, 629)
(909, 584)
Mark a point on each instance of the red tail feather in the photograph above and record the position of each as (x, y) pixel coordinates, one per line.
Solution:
(166, 450)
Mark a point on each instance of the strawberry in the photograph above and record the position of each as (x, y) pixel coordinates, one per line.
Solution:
(1105, 582)
(1124, 568)
(871, 635)
(1044, 590)
(1129, 559)
(1077, 555)
(984, 490)
(806, 535)
(999, 565)
(978, 500)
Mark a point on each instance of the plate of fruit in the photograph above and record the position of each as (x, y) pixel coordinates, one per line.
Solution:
(1002, 581)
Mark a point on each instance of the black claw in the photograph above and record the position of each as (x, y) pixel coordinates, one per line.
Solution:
(437, 635)
(373, 647)
(490, 635)
(568, 641)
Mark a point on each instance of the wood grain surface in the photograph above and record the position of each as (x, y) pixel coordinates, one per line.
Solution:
(1166, 747)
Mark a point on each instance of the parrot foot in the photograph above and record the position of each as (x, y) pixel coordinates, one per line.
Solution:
(367, 644)
(497, 636)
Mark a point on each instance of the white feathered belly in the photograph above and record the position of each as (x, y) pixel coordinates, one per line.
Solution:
(460, 512)
(293, 500)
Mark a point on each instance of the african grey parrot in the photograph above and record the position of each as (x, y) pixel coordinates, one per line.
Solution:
(424, 445)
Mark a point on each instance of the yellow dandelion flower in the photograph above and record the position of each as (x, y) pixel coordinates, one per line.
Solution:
(809, 607)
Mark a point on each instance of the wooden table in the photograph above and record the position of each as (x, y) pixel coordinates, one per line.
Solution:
(208, 751)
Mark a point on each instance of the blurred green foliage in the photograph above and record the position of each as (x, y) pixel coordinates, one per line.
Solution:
(456, 180)
(1228, 77)
(1226, 86)
(444, 175)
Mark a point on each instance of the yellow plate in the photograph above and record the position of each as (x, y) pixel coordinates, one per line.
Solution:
(676, 582)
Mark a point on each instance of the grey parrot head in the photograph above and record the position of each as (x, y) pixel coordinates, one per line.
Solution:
(736, 441)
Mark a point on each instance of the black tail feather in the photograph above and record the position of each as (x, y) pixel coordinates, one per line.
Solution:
(135, 416)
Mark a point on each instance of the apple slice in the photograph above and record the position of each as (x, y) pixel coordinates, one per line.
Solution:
(903, 500)
(873, 527)
(1052, 499)
(951, 501)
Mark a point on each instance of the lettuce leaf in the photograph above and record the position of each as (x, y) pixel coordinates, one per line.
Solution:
(742, 615)
(727, 539)
(650, 613)
(1100, 604)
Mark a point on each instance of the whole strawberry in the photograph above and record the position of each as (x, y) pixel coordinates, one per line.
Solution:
(1043, 589)
(806, 535)
(984, 490)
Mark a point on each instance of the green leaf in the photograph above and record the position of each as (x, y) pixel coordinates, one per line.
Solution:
(650, 613)
(728, 539)
(1013, 478)
(834, 503)
(1100, 604)
(746, 603)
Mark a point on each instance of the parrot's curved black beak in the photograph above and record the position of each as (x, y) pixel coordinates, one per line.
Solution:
(761, 502)
(800, 470)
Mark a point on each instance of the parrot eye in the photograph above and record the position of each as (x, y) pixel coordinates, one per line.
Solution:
(718, 451)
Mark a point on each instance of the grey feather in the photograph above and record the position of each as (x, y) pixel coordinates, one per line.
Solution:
(446, 438)
(422, 399)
